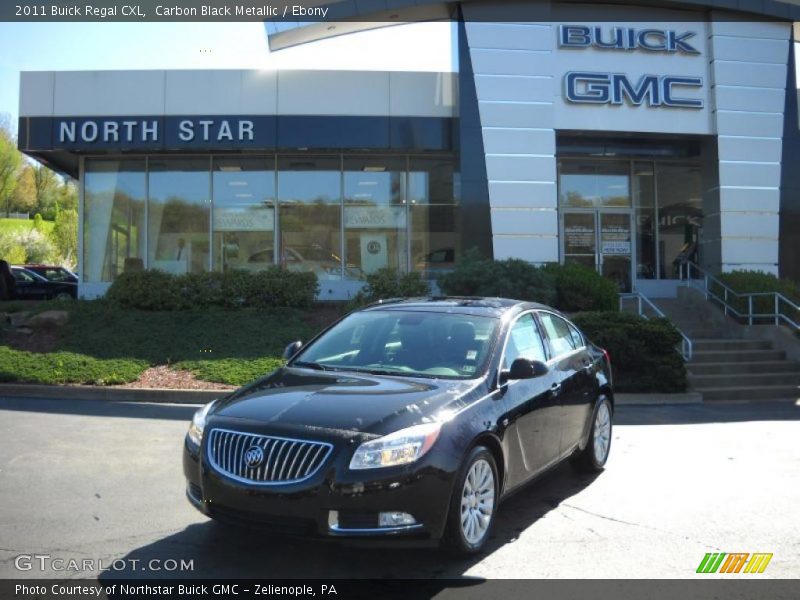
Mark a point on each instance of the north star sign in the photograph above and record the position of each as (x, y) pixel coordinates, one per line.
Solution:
(590, 87)
(145, 130)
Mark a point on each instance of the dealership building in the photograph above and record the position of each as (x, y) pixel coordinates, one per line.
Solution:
(628, 138)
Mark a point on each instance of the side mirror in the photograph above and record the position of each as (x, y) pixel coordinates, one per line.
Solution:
(292, 349)
(522, 368)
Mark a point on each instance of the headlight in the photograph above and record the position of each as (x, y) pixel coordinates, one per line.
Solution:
(199, 423)
(398, 448)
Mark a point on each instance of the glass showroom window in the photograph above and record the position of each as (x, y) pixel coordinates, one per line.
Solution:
(680, 216)
(309, 193)
(113, 218)
(644, 200)
(178, 214)
(244, 213)
(374, 215)
(597, 184)
(435, 215)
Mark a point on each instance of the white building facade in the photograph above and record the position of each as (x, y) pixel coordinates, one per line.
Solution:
(629, 139)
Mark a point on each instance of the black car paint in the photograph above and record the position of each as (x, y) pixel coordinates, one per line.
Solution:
(521, 422)
(40, 288)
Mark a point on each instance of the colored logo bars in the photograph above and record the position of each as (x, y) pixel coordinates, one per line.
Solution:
(720, 562)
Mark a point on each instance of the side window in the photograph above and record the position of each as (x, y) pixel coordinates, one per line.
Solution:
(576, 336)
(524, 341)
(559, 335)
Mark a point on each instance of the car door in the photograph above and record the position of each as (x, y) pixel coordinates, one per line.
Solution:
(572, 366)
(532, 405)
(27, 286)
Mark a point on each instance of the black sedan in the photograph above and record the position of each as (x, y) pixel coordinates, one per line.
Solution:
(53, 273)
(409, 418)
(32, 286)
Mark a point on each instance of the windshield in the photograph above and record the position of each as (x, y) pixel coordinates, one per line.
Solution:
(393, 342)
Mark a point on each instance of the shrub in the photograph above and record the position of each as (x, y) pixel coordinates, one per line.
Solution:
(390, 283)
(581, 288)
(642, 351)
(156, 290)
(476, 275)
(27, 245)
(747, 282)
(570, 287)
(147, 290)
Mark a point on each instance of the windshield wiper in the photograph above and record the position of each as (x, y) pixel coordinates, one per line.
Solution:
(312, 365)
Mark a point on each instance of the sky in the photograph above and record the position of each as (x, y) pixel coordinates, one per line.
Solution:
(113, 46)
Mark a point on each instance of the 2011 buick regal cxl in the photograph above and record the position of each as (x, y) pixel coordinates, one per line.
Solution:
(407, 419)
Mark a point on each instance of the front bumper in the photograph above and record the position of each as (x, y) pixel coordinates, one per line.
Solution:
(335, 503)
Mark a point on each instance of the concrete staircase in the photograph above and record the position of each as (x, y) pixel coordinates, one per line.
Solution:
(727, 363)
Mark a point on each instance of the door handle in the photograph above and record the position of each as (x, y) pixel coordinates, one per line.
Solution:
(556, 389)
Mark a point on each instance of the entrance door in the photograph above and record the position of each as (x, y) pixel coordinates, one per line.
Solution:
(601, 239)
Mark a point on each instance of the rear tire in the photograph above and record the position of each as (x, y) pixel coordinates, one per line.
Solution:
(593, 457)
(473, 504)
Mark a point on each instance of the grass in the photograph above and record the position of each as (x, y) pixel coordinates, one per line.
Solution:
(104, 345)
(11, 225)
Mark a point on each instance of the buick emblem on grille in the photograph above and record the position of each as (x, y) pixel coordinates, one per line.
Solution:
(254, 456)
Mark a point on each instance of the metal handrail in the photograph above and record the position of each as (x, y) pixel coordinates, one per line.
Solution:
(687, 347)
(777, 316)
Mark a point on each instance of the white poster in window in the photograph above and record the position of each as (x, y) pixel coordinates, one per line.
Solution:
(229, 218)
(374, 252)
(374, 217)
(616, 247)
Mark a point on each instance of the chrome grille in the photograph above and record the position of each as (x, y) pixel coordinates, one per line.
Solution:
(283, 460)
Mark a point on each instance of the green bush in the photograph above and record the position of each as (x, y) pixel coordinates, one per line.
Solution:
(748, 282)
(156, 290)
(390, 283)
(642, 351)
(581, 288)
(66, 367)
(476, 275)
(146, 290)
(570, 288)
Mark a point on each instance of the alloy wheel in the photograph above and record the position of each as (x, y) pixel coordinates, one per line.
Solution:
(602, 433)
(477, 502)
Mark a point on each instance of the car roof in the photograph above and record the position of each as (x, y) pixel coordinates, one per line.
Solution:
(478, 306)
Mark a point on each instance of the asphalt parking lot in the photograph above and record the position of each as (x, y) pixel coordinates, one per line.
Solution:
(102, 481)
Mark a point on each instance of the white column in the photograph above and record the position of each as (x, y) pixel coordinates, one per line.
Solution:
(748, 62)
(513, 81)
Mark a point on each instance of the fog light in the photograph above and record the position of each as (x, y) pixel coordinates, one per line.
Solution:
(395, 519)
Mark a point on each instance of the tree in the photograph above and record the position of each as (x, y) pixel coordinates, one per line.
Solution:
(45, 183)
(65, 235)
(24, 197)
(68, 195)
(10, 163)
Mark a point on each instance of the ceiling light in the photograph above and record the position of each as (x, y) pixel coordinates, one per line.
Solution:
(230, 168)
(376, 169)
(237, 183)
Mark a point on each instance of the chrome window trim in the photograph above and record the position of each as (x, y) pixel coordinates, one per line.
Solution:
(563, 355)
(226, 473)
(549, 359)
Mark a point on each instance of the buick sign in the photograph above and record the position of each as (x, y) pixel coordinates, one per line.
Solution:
(626, 38)
(616, 89)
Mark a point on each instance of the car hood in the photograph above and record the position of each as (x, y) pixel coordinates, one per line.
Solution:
(346, 401)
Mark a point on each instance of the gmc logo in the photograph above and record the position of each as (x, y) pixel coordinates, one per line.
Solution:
(582, 87)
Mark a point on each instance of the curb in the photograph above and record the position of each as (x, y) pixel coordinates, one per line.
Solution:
(115, 394)
(659, 399)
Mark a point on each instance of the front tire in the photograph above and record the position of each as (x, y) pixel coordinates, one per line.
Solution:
(592, 459)
(473, 504)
